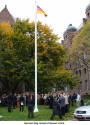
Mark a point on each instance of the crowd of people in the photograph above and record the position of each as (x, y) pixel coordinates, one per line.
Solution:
(59, 102)
(18, 101)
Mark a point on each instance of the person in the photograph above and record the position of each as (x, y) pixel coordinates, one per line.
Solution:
(62, 101)
(41, 99)
(24, 96)
(38, 98)
(60, 106)
(30, 106)
(75, 97)
(82, 100)
(14, 101)
(26, 99)
(10, 100)
(66, 103)
(33, 98)
(18, 101)
(51, 101)
(48, 100)
(56, 108)
(45, 96)
(22, 103)
(70, 99)
(78, 100)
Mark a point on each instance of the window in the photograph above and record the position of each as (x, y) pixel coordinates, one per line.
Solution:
(88, 14)
(80, 85)
(76, 72)
(86, 85)
(70, 66)
(80, 72)
(85, 70)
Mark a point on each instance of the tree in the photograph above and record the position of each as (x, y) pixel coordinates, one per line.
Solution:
(17, 58)
(50, 53)
(81, 45)
(6, 45)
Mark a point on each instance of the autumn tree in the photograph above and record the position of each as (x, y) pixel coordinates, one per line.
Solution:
(17, 63)
(6, 54)
(81, 45)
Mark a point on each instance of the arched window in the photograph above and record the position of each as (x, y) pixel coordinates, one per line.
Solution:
(76, 72)
(80, 72)
(86, 85)
(85, 70)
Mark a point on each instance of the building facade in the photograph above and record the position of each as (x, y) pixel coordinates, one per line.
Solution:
(79, 68)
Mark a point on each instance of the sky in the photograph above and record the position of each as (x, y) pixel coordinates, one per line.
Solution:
(60, 13)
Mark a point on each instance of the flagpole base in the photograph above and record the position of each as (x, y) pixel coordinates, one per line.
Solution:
(35, 110)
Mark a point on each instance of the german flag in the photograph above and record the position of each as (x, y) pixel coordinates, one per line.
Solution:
(40, 11)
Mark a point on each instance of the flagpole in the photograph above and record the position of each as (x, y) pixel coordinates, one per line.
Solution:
(36, 109)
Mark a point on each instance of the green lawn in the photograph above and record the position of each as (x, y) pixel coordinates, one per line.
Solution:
(43, 114)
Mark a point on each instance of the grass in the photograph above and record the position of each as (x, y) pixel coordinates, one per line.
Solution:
(43, 114)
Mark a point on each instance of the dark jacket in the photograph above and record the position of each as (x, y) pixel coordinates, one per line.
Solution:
(30, 104)
(55, 107)
(62, 101)
(10, 99)
(51, 101)
(14, 99)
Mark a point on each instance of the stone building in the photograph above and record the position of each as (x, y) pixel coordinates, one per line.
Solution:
(68, 36)
(80, 67)
(5, 16)
(88, 11)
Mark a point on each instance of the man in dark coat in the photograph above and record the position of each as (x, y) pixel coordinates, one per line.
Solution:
(48, 101)
(30, 106)
(51, 101)
(22, 103)
(56, 109)
(62, 104)
(10, 101)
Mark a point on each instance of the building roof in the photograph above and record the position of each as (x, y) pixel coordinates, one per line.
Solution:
(70, 28)
(5, 16)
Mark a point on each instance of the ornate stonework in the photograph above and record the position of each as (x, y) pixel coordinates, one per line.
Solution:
(78, 68)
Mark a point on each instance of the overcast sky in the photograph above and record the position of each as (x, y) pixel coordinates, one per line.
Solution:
(60, 13)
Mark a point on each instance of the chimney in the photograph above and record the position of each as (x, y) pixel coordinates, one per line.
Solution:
(5, 6)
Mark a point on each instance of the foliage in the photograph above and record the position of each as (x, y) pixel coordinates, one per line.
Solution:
(17, 58)
(81, 43)
(64, 78)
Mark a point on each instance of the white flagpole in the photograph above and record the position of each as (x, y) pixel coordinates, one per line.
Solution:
(36, 109)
